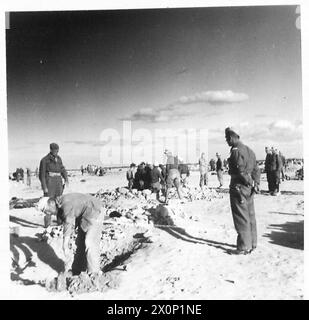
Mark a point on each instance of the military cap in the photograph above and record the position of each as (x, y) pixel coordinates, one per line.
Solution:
(54, 146)
(230, 133)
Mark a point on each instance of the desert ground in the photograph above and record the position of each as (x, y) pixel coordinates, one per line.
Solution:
(186, 261)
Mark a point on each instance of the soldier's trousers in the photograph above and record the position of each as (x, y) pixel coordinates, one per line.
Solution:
(203, 179)
(220, 177)
(242, 206)
(270, 181)
(87, 256)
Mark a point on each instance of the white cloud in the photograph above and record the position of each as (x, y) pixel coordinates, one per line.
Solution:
(179, 109)
(213, 98)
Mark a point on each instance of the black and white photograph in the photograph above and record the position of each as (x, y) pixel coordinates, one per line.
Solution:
(155, 153)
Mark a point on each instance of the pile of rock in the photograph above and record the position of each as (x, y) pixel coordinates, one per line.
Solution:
(195, 193)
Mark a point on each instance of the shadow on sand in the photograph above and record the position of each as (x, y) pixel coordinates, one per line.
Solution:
(25, 223)
(181, 234)
(27, 245)
(289, 234)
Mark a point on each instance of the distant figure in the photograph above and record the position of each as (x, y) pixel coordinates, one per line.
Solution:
(276, 168)
(101, 171)
(156, 180)
(212, 164)
(225, 164)
(139, 178)
(28, 177)
(22, 176)
(147, 179)
(267, 169)
(163, 172)
(130, 175)
(82, 169)
(184, 172)
(203, 167)
(219, 169)
(245, 180)
(283, 163)
(37, 172)
(173, 175)
(51, 173)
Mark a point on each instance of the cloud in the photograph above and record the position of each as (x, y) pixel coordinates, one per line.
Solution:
(279, 131)
(183, 108)
(213, 98)
(158, 115)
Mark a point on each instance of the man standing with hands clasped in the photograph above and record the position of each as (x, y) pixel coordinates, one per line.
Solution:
(51, 173)
(245, 180)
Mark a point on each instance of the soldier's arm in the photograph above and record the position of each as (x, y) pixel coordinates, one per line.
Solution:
(241, 165)
(63, 171)
(42, 175)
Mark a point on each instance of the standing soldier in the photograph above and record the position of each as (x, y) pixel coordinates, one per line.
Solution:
(219, 169)
(51, 173)
(267, 169)
(276, 171)
(28, 177)
(203, 167)
(245, 180)
(156, 180)
(130, 176)
(283, 164)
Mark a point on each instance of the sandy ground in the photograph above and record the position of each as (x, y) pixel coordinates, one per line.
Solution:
(183, 262)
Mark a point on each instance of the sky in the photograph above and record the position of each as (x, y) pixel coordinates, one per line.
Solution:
(82, 78)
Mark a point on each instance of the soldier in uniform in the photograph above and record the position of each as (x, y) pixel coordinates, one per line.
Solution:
(86, 212)
(173, 178)
(267, 169)
(203, 168)
(245, 180)
(51, 173)
(219, 169)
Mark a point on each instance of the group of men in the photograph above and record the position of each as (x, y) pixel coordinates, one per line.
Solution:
(274, 168)
(19, 175)
(93, 170)
(88, 212)
(158, 177)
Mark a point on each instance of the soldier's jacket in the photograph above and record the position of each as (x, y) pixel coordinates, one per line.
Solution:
(80, 208)
(51, 164)
(184, 169)
(276, 163)
(268, 161)
(242, 165)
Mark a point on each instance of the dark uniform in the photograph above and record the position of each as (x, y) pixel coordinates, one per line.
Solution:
(267, 169)
(244, 171)
(51, 171)
(219, 169)
(275, 171)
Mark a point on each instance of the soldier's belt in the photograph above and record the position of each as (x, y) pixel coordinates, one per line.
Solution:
(54, 174)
